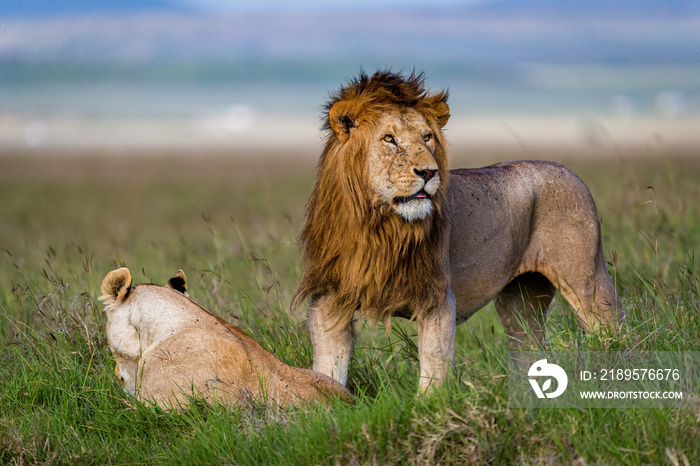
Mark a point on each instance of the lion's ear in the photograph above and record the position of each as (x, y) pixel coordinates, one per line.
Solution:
(438, 107)
(342, 117)
(443, 113)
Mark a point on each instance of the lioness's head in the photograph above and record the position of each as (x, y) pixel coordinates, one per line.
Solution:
(389, 131)
(122, 336)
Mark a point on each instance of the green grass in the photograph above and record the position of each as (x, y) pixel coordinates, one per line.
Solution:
(231, 225)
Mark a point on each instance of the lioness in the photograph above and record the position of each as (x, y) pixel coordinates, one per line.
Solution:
(390, 231)
(168, 348)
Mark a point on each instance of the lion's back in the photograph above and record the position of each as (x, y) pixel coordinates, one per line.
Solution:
(536, 179)
(510, 193)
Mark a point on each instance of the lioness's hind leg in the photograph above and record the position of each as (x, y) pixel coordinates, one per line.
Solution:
(522, 306)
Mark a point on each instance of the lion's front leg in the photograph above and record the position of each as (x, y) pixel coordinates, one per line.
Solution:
(333, 346)
(436, 344)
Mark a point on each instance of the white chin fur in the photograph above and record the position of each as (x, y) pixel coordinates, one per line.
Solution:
(416, 209)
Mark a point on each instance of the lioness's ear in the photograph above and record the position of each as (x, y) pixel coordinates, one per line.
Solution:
(116, 286)
(178, 282)
(342, 117)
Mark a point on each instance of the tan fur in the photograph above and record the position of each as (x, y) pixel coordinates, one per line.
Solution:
(512, 232)
(168, 348)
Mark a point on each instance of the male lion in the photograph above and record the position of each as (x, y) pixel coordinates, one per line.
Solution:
(168, 348)
(390, 231)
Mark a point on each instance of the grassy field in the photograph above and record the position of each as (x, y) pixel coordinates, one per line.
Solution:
(230, 222)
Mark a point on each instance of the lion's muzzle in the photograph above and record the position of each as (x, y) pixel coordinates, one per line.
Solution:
(427, 174)
(419, 195)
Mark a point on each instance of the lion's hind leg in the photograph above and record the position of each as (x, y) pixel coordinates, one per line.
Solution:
(522, 306)
(593, 298)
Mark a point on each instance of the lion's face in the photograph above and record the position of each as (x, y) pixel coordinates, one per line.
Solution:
(376, 223)
(403, 171)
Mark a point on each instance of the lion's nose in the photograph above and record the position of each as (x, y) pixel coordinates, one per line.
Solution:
(426, 174)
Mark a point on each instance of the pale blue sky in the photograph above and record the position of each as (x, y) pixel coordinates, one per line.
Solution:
(322, 4)
(153, 58)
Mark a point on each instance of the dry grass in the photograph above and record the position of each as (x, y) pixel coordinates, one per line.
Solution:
(230, 221)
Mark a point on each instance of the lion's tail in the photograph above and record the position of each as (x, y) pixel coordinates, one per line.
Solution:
(115, 288)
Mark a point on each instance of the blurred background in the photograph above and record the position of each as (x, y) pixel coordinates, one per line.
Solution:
(199, 74)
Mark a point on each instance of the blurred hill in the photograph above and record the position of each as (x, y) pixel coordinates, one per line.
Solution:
(541, 31)
(125, 71)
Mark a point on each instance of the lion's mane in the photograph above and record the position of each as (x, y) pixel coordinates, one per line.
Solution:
(366, 256)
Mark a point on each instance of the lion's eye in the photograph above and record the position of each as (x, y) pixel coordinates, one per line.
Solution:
(427, 137)
(389, 138)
